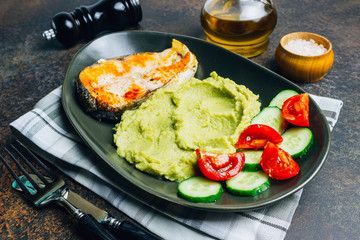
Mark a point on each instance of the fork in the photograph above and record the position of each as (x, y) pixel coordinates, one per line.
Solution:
(51, 189)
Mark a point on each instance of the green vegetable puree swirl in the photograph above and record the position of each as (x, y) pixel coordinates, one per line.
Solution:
(161, 136)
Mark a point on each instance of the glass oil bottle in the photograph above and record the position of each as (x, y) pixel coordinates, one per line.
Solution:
(242, 26)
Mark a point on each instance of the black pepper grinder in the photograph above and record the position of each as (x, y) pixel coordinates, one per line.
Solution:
(88, 21)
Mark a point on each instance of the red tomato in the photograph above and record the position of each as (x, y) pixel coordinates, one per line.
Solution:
(220, 166)
(257, 135)
(277, 163)
(295, 110)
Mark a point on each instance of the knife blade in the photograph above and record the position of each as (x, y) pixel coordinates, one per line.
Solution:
(120, 229)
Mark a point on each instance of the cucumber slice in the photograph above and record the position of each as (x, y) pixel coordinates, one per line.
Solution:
(252, 160)
(200, 189)
(297, 141)
(272, 117)
(281, 97)
(248, 183)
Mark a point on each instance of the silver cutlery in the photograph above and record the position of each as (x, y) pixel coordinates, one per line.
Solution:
(42, 189)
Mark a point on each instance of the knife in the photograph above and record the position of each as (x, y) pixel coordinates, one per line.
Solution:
(120, 229)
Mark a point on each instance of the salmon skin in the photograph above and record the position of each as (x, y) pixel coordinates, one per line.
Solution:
(109, 87)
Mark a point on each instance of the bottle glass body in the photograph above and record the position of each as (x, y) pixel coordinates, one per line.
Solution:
(242, 26)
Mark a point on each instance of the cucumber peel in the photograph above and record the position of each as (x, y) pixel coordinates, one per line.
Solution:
(248, 183)
(281, 97)
(252, 160)
(272, 117)
(297, 141)
(200, 189)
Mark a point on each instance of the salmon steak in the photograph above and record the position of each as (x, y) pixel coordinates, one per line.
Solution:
(109, 87)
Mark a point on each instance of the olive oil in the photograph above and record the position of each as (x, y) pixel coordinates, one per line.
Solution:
(242, 26)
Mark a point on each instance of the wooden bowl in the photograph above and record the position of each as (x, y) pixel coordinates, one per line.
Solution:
(301, 68)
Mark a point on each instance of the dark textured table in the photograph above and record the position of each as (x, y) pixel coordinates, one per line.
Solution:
(30, 68)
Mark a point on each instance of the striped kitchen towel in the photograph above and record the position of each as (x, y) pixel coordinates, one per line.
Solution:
(47, 130)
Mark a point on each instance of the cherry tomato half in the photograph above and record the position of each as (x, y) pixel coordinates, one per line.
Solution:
(295, 110)
(220, 166)
(257, 135)
(277, 163)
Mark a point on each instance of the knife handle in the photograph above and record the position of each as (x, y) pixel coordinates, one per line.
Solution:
(93, 229)
(128, 230)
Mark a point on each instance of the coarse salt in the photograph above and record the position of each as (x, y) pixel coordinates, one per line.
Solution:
(305, 48)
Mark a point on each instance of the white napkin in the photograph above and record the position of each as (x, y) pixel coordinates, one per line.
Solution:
(47, 128)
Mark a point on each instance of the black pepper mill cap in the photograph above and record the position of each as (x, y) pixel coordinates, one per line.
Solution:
(136, 11)
(86, 22)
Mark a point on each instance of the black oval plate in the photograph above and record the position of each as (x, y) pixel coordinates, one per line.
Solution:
(99, 135)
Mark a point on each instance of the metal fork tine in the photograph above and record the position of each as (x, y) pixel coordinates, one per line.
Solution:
(35, 185)
(15, 176)
(33, 156)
